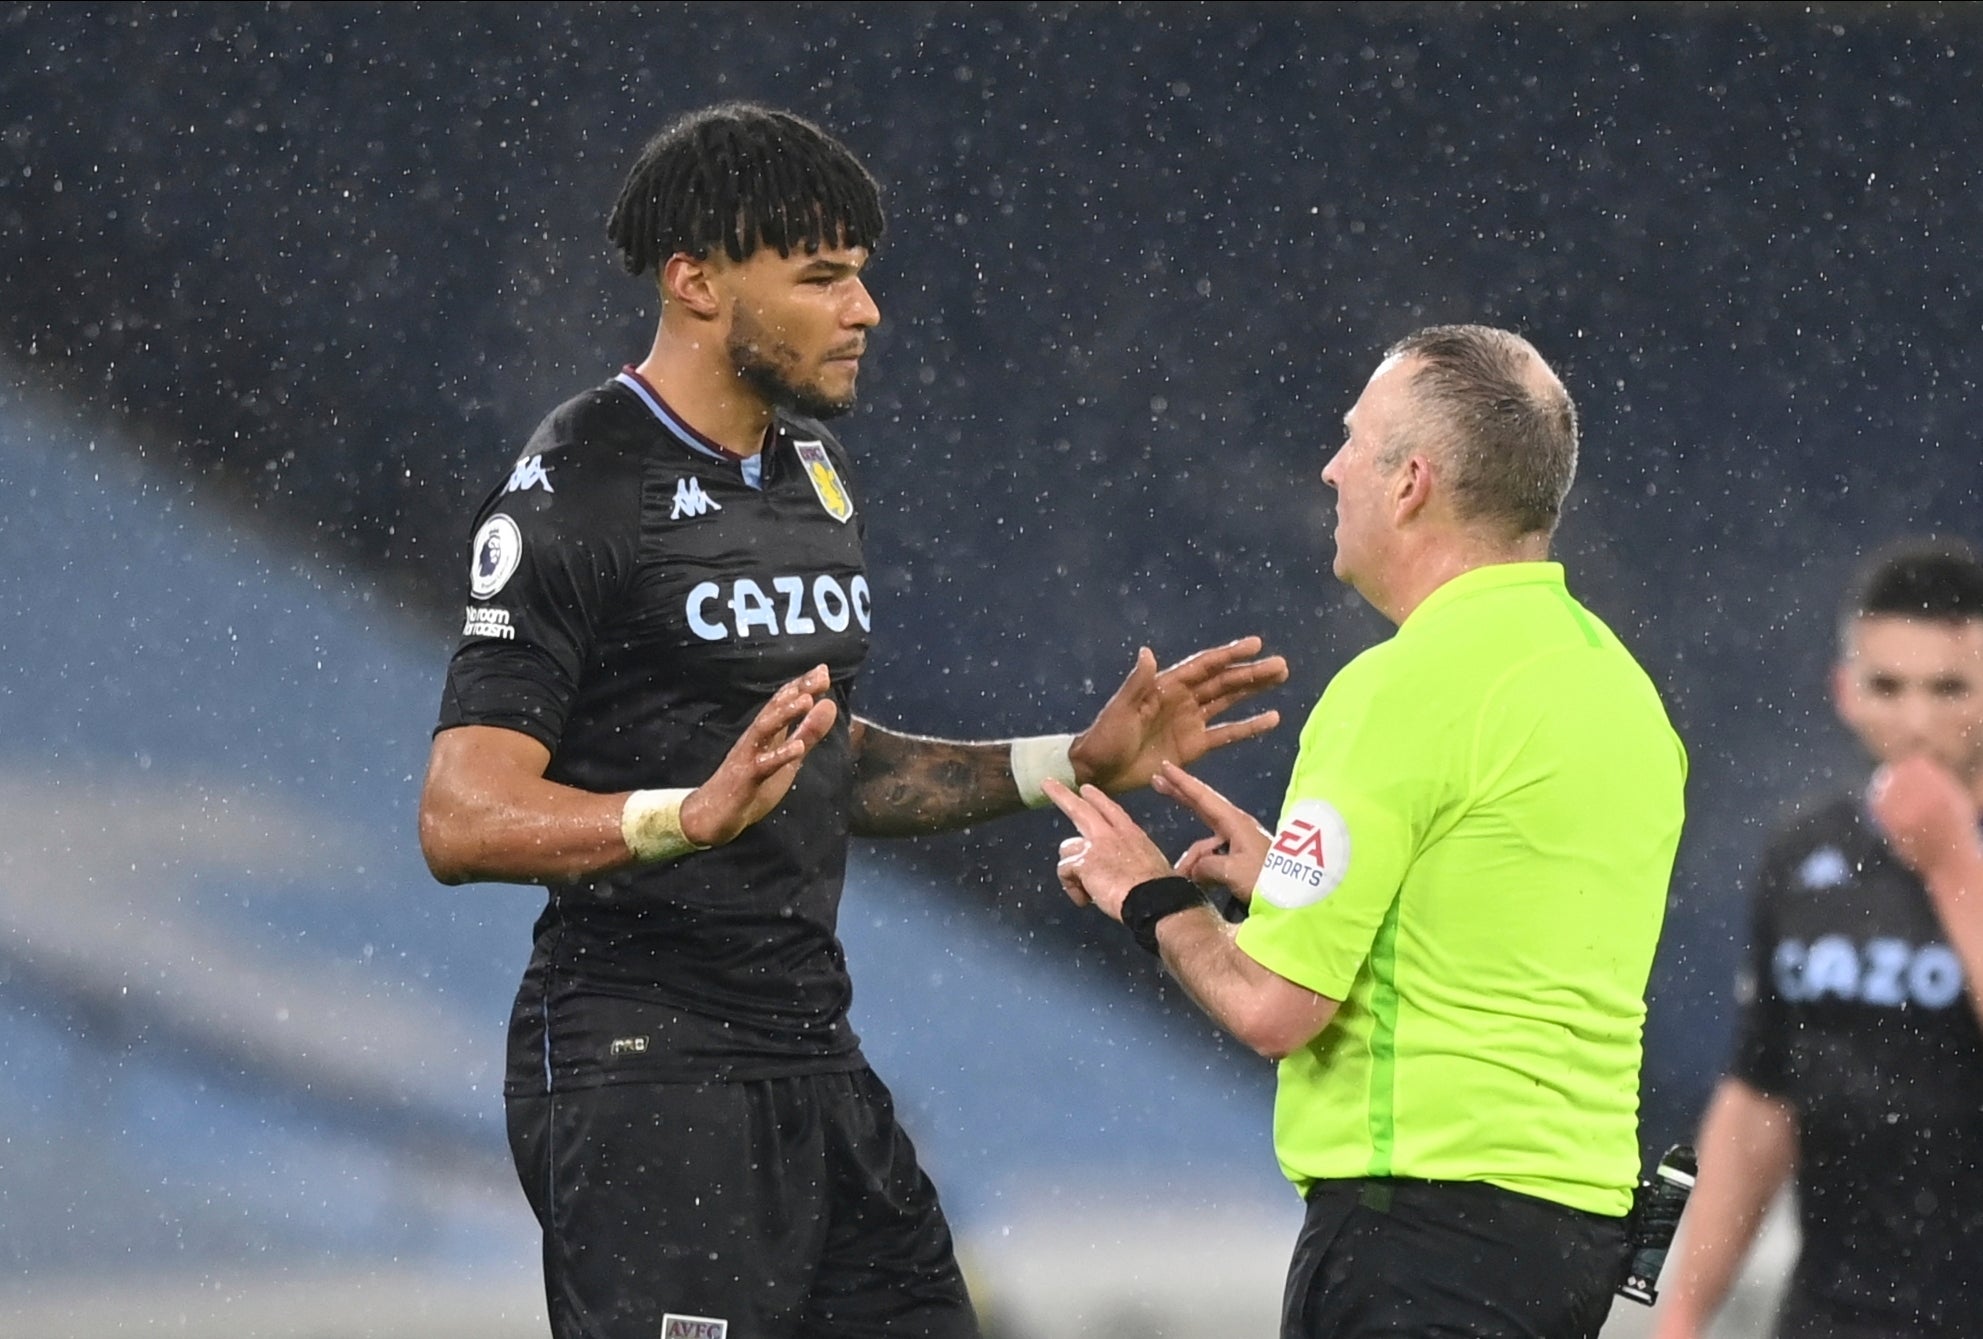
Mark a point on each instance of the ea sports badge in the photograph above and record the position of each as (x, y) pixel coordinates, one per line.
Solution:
(498, 549)
(1309, 856)
(825, 480)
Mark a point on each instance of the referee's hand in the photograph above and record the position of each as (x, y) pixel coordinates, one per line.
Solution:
(1232, 857)
(1111, 855)
(761, 766)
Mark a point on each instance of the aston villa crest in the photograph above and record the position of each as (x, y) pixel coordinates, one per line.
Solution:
(825, 480)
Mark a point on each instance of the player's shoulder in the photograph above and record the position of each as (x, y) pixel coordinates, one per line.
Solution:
(1825, 827)
(598, 433)
(585, 459)
(1817, 816)
(575, 487)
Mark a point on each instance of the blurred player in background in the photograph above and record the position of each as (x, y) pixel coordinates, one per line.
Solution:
(1451, 929)
(1858, 1066)
(650, 713)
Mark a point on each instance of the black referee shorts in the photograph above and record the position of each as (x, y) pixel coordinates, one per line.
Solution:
(1424, 1258)
(763, 1209)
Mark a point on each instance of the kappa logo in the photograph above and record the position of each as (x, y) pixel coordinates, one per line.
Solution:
(693, 1327)
(1308, 858)
(690, 500)
(1825, 867)
(531, 473)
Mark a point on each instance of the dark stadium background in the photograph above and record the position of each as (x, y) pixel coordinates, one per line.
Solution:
(328, 264)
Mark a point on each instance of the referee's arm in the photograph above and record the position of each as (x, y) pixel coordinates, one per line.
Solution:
(1112, 858)
(1269, 1013)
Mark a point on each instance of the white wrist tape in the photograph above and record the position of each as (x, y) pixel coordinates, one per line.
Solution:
(1036, 758)
(651, 822)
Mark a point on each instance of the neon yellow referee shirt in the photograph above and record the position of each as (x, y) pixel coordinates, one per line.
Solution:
(1473, 857)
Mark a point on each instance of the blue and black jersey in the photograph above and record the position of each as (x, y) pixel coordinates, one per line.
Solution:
(635, 595)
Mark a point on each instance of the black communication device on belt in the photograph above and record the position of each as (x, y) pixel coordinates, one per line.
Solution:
(1657, 1203)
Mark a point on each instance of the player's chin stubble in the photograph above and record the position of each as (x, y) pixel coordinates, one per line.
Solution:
(766, 367)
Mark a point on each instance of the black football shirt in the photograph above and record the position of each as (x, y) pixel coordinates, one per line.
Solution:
(1857, 1015)
(635, 595)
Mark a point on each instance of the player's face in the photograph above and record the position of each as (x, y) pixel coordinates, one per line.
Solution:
(799, 325)
(1357, 472)
(1910, 686)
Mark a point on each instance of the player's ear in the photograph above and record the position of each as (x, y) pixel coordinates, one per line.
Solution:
(686, 282)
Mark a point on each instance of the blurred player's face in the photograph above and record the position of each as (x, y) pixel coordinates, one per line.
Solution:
(1911, 686)
(1359, 474)
(799, 325)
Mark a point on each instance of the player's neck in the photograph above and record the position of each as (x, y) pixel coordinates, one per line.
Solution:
(699, 384)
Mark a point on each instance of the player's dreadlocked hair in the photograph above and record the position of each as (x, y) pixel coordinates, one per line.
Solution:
(742, 176)
(1938, 579)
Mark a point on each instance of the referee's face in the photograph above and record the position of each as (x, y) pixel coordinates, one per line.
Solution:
(1361, 472)
(798, 325)
(1909, 686)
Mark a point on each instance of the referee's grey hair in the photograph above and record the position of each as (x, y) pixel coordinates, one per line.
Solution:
(1503, 423)
(737, 177)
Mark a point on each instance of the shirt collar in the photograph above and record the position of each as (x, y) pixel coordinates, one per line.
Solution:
(1492, 576)
(752, 467)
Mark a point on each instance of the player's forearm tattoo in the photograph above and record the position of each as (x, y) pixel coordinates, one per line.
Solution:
(905, 785)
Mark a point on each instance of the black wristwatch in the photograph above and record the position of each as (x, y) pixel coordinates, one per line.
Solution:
(1152, 900)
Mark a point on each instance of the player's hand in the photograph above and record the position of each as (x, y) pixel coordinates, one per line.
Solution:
(1928, 819)
(1112, 854)
(1160, 716)
(1232, 857)
(760, 767)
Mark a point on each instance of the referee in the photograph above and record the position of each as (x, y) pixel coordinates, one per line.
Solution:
(650, 713)
(1451, 928)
